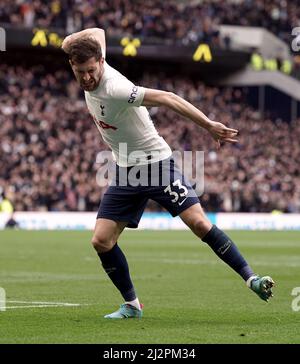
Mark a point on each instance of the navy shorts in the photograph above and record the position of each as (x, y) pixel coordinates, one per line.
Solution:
(161, 181)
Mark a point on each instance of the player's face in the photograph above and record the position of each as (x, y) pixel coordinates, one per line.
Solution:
(88, 74)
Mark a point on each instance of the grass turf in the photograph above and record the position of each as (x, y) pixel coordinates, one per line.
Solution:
(190, 296)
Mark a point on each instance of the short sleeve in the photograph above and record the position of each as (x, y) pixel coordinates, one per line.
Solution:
(125, 92)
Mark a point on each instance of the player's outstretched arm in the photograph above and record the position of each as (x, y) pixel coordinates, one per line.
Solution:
(162, 98)
(96, 33)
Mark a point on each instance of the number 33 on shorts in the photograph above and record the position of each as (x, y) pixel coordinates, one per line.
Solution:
(179, 196)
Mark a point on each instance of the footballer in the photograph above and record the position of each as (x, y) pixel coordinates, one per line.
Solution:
(119, 110)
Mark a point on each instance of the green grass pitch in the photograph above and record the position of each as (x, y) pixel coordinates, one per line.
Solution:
(190, 296)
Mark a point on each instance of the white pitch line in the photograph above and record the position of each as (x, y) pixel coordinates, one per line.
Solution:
(41, 306)
(44, 303)
(275, 263)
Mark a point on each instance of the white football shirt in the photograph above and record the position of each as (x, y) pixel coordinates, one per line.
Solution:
(124, 124)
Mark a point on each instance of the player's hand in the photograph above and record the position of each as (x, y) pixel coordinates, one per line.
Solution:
(221, 133)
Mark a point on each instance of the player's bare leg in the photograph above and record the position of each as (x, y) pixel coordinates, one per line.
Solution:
(106, 234)
(195, 218)
(115, 264)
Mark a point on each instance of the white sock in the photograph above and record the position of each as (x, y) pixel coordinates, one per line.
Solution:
(135, 303)
(249, 280)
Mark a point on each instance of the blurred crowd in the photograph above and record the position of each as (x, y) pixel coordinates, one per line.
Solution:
(187, 21)
(49, 145)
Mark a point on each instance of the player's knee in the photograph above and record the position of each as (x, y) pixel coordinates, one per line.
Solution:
(201, 227)
(102, 243)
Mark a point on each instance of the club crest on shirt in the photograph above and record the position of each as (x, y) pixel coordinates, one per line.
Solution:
(102, 109)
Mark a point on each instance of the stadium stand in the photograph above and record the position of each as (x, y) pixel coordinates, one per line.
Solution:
(49, 152)
(141, 18)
